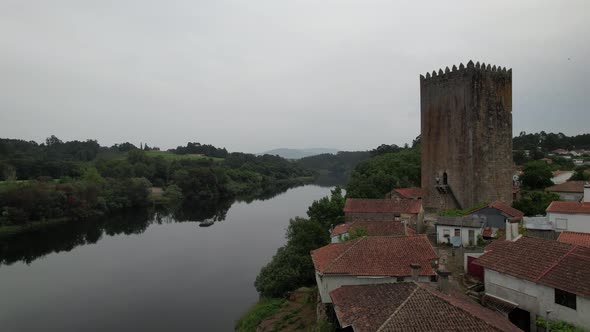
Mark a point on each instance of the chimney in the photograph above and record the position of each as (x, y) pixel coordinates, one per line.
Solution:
(415, 271)
(586, 192)
(512, 229)
(443, 281)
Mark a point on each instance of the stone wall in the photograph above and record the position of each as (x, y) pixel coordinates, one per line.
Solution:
(466, 128)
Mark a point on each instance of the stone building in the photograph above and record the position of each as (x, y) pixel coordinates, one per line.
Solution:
(466, 136)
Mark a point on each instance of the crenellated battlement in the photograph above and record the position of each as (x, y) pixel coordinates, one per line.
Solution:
(469, 68)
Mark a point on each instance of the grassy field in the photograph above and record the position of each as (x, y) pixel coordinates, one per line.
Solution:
(173, 156)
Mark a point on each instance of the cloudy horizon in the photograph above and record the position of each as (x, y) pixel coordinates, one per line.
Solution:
(254, 76)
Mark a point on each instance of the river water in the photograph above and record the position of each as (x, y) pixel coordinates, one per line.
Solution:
(145, 272)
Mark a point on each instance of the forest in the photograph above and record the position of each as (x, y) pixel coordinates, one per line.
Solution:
(77, 180)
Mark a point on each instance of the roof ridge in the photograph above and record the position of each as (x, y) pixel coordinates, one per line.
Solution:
(556, 263)
(342, 254)
(398, 308)
(461, 306)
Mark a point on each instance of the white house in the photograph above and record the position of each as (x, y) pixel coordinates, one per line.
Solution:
(373, 260)
(571, 216)
(459, 230)
(529, 278)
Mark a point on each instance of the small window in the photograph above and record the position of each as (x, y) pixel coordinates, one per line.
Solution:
(400, 279)
(446, 232)
(561, 223)
(457, 232)
(433, 278)
(564, 298)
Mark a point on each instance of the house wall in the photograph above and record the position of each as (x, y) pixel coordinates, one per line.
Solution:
(494, 217)
(328, 283)
(464, 233)
(536, 299)
(576, 222)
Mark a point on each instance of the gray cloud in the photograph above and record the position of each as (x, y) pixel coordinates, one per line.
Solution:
(255, 75)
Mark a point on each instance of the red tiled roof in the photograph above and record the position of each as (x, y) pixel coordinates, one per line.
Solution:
(569, 207)
(382, 206)
(499, 205)
(414, 192)
(546, 262)
(376, 256)
(496, 243)
(577, 238)
(374, 228)
(411, 307)
(568, 187)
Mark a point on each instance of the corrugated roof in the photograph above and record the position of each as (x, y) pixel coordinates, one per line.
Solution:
(462, 221)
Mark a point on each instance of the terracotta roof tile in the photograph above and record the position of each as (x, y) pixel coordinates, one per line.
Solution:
(374, 228)
(569, 207)
(411, 307)
(414, 192)
(580, 239)
(376, 256)
(568, 187)
(499, 205)
(552, 263)
(382, 205)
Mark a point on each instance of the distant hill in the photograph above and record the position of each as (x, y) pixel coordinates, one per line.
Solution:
(299, 153)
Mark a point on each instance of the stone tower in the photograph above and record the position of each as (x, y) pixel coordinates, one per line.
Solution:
(466, 117)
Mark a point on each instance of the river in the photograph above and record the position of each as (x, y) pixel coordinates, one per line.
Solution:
(145, 273)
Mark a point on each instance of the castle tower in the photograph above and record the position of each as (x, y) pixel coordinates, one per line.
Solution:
(466, 136)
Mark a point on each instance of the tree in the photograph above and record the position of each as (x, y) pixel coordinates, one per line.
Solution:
(304, 235)
(355, 233)
(328, 211)
(580, 174)
(519, 157)
(375, 177)
(536, 175)
(534, 203)
(52, 140)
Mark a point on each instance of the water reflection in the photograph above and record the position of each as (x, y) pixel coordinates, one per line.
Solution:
(63, 238)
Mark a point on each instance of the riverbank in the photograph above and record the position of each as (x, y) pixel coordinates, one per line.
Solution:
(295, 313)
(10, 230)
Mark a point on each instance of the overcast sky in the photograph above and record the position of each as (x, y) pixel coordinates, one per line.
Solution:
(257, 75)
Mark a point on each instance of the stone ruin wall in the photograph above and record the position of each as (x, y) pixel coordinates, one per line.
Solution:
(466, 128)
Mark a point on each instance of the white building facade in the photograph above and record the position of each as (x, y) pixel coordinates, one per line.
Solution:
(536, 299)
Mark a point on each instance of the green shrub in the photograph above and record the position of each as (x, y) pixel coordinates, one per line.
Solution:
(264, 308)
